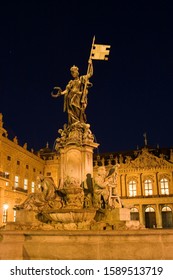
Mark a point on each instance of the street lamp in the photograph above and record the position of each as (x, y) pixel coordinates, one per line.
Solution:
(5, 206)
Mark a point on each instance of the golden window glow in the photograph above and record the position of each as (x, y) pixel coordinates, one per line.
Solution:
(25, 184)
(32, 187)
(164, 186)
(132, 188)
(16, 181)
(148, 187)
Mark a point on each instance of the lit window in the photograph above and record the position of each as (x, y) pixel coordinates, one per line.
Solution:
(132, 188)
(32, 187)
(148, 187)
(25, 184)
(133, 209)
(7, 175)
(164, 186)
(14, 216)
(5, 213)
(166, 209)
(149, 209)
(16, 181)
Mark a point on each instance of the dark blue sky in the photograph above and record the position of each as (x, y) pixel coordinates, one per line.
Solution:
(132, 92)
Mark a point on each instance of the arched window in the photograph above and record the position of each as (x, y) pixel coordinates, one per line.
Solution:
(149, 209)
(132, 188)
(148, 189)
(166, 209)
(134, 214)
(164, 186)
(167, 217)
(150, 217)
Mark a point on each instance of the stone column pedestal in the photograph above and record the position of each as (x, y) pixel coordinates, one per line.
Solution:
(75, 147)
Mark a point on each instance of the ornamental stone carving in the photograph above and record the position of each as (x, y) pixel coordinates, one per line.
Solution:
(132, 178)
(78, 134)
(164, 176)
(146, 160)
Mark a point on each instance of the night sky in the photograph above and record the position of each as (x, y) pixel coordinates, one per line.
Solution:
(132, 92)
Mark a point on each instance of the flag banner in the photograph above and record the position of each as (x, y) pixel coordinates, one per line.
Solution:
(100, 52)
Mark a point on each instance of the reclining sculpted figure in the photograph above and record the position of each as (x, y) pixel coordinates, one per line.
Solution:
(47, 197)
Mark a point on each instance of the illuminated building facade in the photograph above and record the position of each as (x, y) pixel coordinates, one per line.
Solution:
(145, 179)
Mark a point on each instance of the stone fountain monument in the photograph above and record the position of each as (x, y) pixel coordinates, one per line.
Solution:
(83, 218)
(79, 202)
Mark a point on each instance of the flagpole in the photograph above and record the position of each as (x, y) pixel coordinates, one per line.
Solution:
(91, 52)
(88, 70)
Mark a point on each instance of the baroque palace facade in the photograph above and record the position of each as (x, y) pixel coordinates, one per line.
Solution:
(145, 179)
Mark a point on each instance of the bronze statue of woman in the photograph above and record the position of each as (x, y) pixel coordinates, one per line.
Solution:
(75, 95)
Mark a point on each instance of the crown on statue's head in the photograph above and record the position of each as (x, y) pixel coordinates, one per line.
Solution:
(74, 69)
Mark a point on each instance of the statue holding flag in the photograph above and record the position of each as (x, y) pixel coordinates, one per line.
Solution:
(75, 93)
(75, 100)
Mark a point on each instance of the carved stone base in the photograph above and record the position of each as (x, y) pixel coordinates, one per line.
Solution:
(74, 197)
(112, 218)
(62, 219)
(26, 217)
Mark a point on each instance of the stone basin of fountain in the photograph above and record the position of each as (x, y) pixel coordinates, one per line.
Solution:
(70, 215)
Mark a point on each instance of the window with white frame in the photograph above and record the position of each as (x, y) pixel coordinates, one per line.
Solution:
(132, 188)
(148, 188)
(32, 187)
(25, 184)
(164, 186)
(16, 181)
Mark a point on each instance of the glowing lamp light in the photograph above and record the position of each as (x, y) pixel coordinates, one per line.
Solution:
(5, 206)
